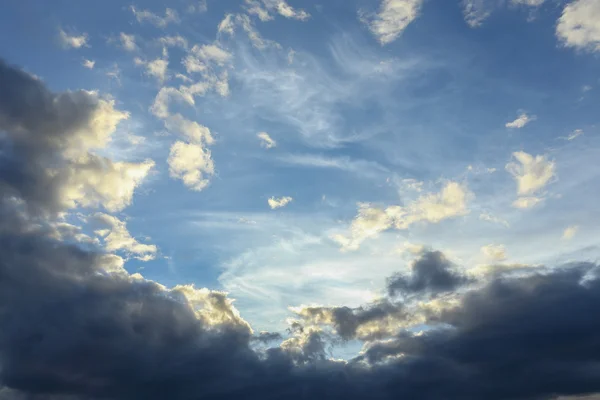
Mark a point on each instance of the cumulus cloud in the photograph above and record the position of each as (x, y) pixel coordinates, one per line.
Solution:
(570, 232)
(127, 41)
(156, 68)
(171, 16)
(192, 130)
(174, 41)
(72, 41)
(200, 58)
(579, 25)
(226, 25)
(48, 147)
(522, 120)
(266, 141)
(89, 64)
(532, 174)
(275, 202)
(392, 18)
(191, 163)
(116, 237)
(450, 202)
(494, 252)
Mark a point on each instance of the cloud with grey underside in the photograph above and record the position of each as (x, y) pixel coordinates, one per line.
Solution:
(72, 328)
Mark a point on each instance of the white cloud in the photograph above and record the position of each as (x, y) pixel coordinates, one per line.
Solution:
(494, 253)
(72, 41)
(476, 11)
(527, 202)
(574, 135)
(522, 120)
(226, 25)
(174, 41)
(570, 232)
(192, 164)
(491, 218)
(254, 7)
(156, 68)
(275, 202)
(532, 173)
(127, 41)
(201, 57)
(171, 16)
(531, 3)
(392, 18)
(160, 107)
(192, 130)
(88, 64)
(199, 7)
(261, 10)
(579, 25)
(116, 237)
(450, 202)
(368, 169)
(266, 141)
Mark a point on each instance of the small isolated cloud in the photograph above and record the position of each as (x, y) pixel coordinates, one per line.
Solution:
(579, 25)
(392, 18)
(522, 120)
(127, 41)
(88, 64)
(72, 41)
(171, 16)
(570, 232)
(476, 11)
(266, 141)
(494, 253)
(532, 174)
(493, 219)
(275, 202)
(191, 163)
(450, 202)
(116, 237)
(573, 135)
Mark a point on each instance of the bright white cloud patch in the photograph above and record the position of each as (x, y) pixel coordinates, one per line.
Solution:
(579, 25)
(170, 16)
(266, 141)
(494, 253)
(192, 164)
(192, 130)
(450, 202)
(522, 120)
(116, 237)
(570, 232)
(275, 202)
(72, 41)
(127, 41)
(532, 174)
(88, 64)
(262, 9)
(392, 18)
(156, 68)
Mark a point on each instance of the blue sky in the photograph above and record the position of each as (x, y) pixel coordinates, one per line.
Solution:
(392, 126)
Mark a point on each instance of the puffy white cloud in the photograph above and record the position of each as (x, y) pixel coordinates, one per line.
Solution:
(72, 41)
(266, 141)
(127, 41)
(192, 164)
(171, 16)
(450, 202)
(275, 202)
(201, 57)
(522, 120)
(116, 237)
(254, 7)
(88, 64)
(494, 253)
(570, 232)
(392, 18)
(156, 68)
(532, 173)
(160, 107)
(579, 25)
(194, 132)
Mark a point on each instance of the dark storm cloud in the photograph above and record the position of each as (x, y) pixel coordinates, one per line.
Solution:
(432, 274)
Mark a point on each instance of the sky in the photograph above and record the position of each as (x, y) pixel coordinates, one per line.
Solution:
(310, 199)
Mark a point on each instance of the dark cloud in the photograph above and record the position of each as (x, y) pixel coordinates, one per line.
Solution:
(431, 274)
(267, 337)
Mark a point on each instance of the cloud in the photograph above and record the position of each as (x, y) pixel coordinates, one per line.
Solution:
(531, 3)
(198, 7)
(48, 148)
(491, 218)
(156, 68)
(532, 174)
(476, 11)
(450, 202)
(431, 274)
(392, 18)
(266, 141)
(171, 16)
(128, 41)
(191, 163)
(573, 135)
(174, 41)
(192, 130)
(522, 120)
(261, 9)
(570, 232)
(226, 25)
(579, 25)
(275, 202)
(72, 41)
(494, 252)
(116, 237)
(201, 57)
(89, 64)
(368, 169)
